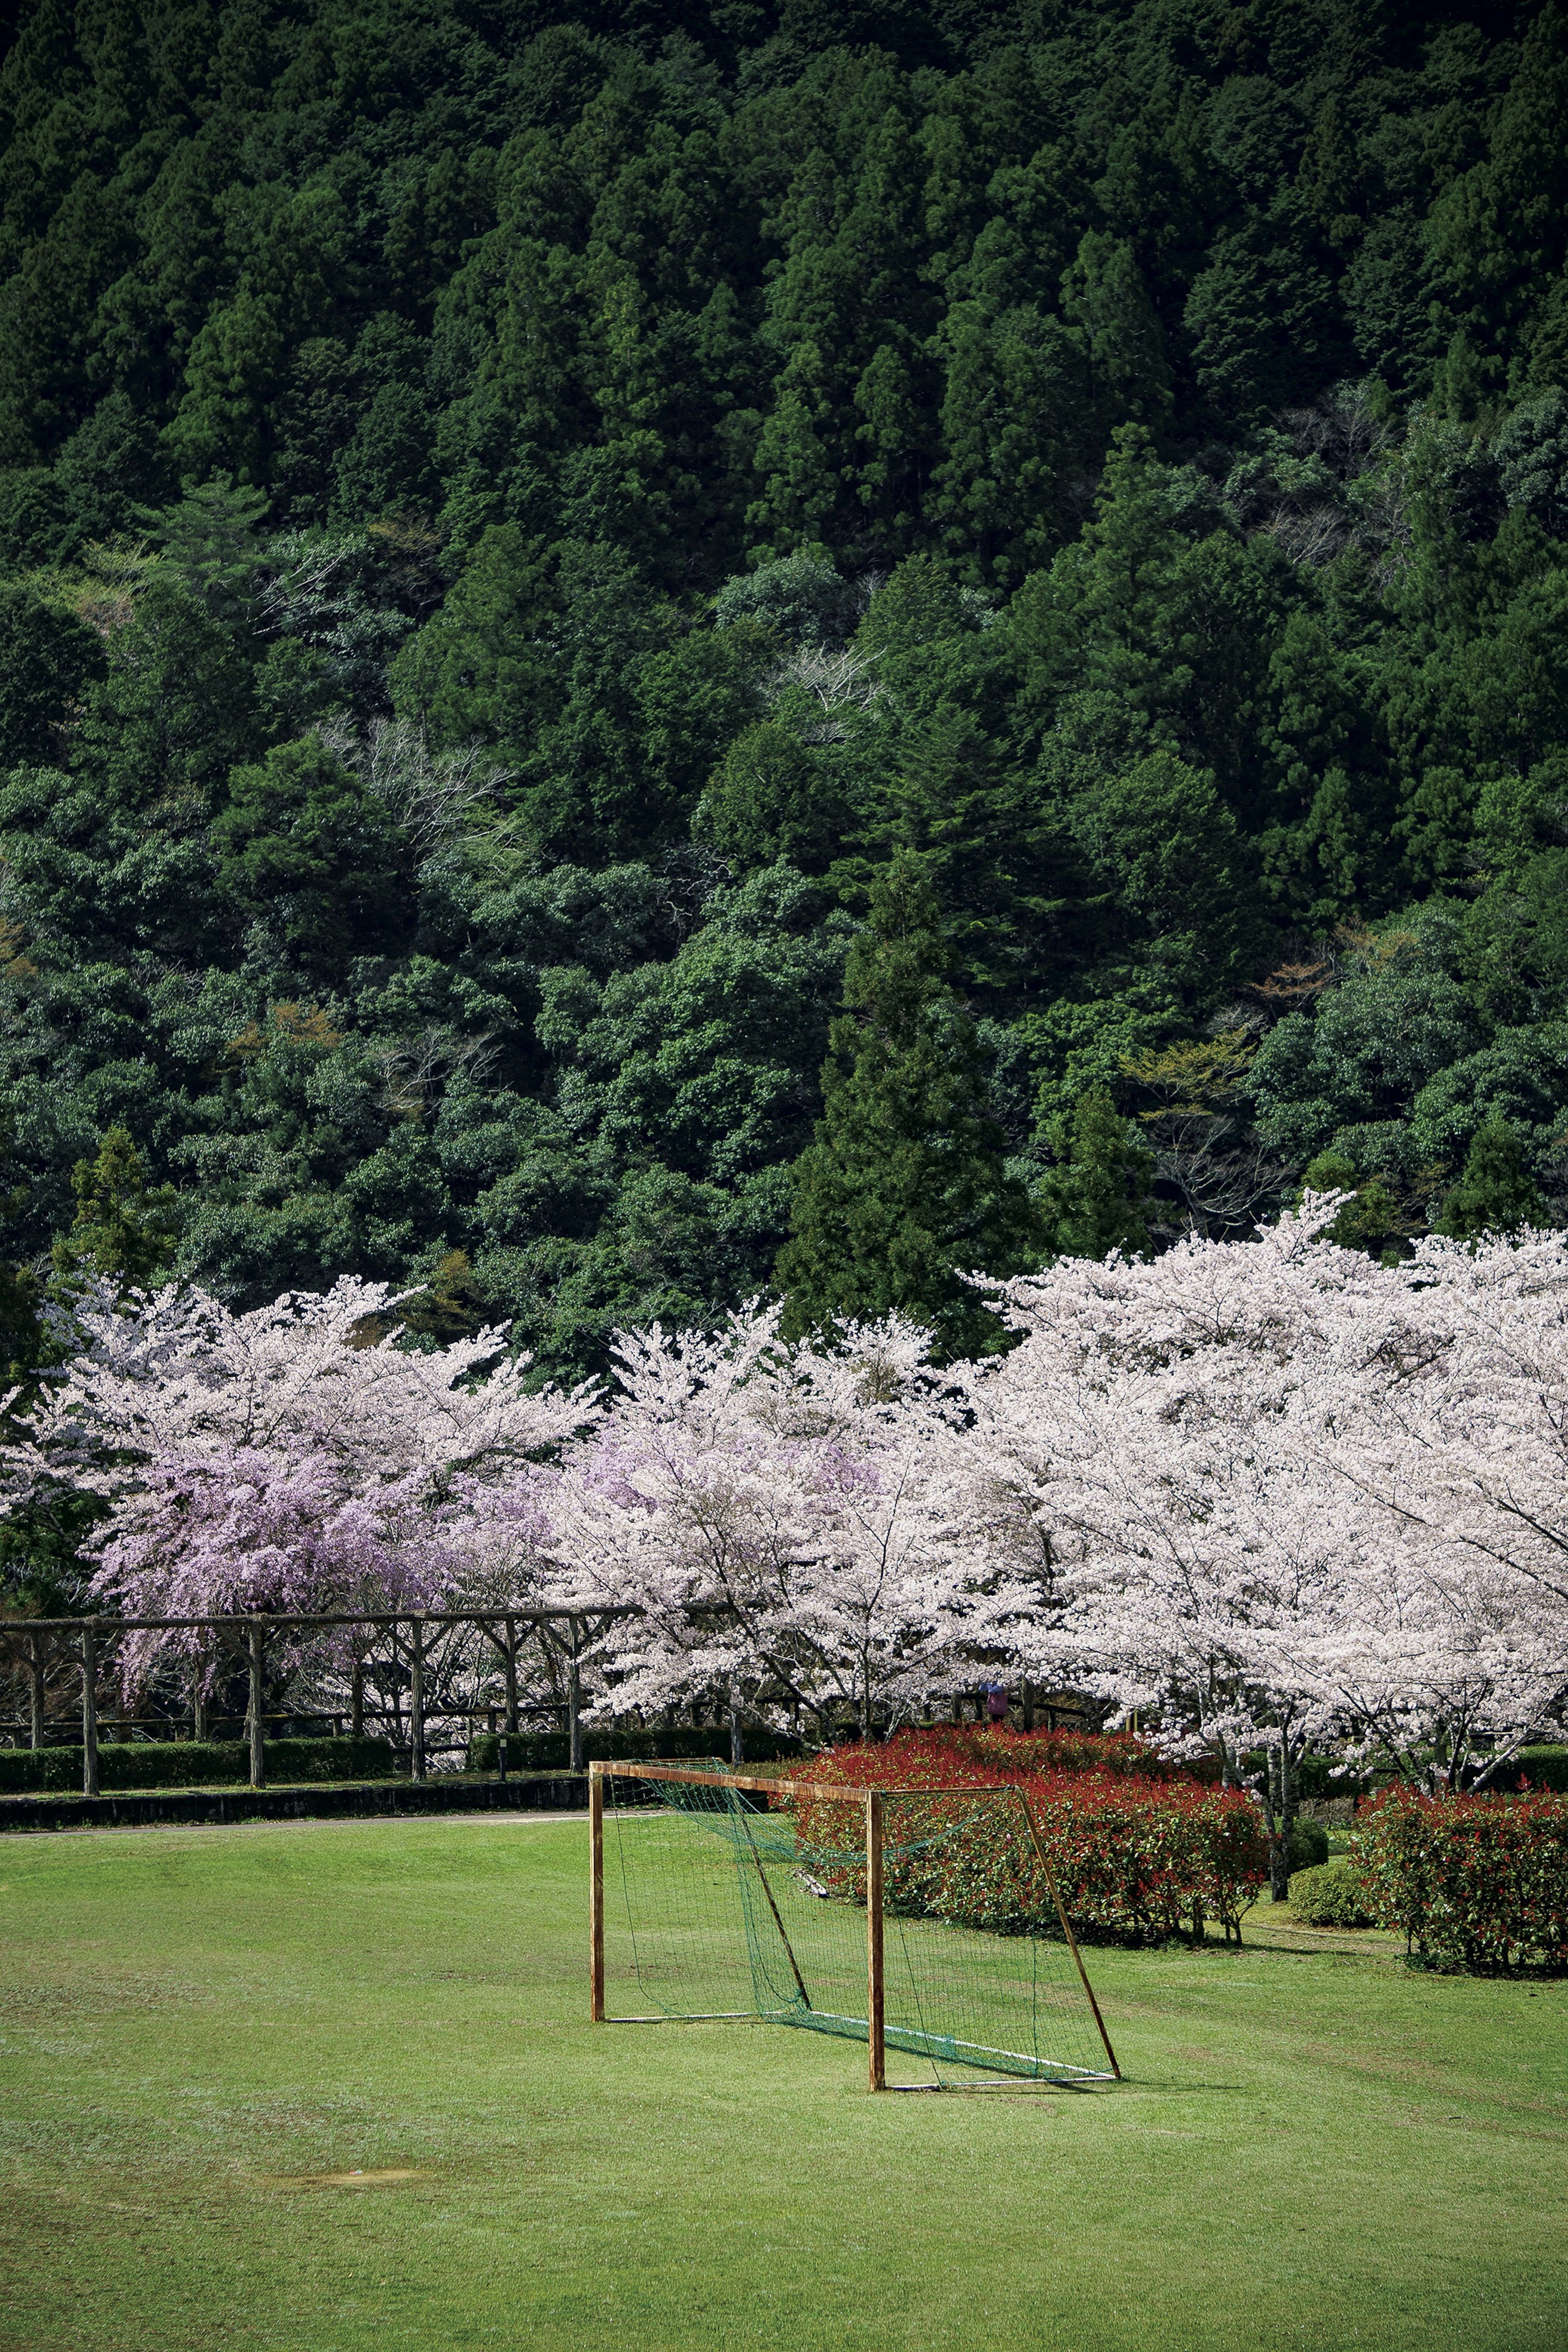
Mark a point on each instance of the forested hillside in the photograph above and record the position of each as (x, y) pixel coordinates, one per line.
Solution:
(531, 536)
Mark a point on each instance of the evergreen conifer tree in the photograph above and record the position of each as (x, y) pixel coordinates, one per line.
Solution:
(122, 1233)
(1494, 1193)
(904, 1190)
(1096, 1198)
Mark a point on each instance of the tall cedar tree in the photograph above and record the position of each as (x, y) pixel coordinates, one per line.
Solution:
(904, 1190)
(1096, 1198)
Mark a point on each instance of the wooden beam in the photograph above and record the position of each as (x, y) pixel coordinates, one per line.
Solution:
(844, 1792)
(596, 1895)
(651, 1771)
(876, 1989)
(380, 1617)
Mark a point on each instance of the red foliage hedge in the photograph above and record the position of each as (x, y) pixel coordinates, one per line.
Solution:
(1476, 1882)
(1137, 1849)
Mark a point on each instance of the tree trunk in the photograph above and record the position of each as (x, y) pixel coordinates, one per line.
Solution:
(737, 1730)
(1278, 1838)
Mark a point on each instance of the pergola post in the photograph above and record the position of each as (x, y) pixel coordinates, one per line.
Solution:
(256, 1646)
(875, 2030)
(510, 1653)
(36, 1690)
(417, 1694)
(575, 1696)
(88, 1712)
(596, 1896)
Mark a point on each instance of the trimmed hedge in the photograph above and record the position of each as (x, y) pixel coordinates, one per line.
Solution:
(1137, 1859)
(193, 1764)
(996, 1747)
(551, 1751)
(1329, 1894)
(1539, 1767)
(1476, 1882)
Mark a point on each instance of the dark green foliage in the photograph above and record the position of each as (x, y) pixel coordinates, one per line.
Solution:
(1309, 1844)
(904, 1187)
(1494, 1194)
(1329, 1894)
(46, 659)
(305, 850)
(1375, 1219)
(196, 1763)
(1543, 1768)
(1096, 1198)
(511, 520)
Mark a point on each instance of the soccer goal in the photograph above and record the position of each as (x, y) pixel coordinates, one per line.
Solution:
(723, 1895)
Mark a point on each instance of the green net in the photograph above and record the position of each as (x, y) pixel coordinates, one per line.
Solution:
(725, 1903)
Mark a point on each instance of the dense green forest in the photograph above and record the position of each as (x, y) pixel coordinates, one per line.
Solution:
(535, 541)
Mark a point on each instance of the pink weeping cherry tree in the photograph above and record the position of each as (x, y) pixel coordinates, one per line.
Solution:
(294, 1458)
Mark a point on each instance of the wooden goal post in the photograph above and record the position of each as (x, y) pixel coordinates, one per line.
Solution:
(759, 1847)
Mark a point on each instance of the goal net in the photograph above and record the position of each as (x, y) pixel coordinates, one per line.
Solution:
(720, 1895)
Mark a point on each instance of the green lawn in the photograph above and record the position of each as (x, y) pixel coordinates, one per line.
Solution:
(1315, 2147)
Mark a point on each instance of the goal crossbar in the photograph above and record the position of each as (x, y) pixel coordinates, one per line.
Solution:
(716, 1896)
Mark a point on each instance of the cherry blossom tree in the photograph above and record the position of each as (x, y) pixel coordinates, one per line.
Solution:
(782, 1519)
(1226, 1464)
(1264, 1495)
(294, 1458)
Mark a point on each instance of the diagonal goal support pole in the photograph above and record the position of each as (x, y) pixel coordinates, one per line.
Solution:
(1067, 1931)
(772, 1906)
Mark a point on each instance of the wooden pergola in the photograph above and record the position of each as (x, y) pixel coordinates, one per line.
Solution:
(86, 1642)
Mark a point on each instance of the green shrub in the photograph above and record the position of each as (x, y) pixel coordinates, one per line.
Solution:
(192, 1764)
(1477, 1881)
(1329, 1894)
(1543, 1768)
(1136, 1859)
(1309, 1844)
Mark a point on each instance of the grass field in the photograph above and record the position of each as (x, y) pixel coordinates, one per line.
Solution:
(199, 2029)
